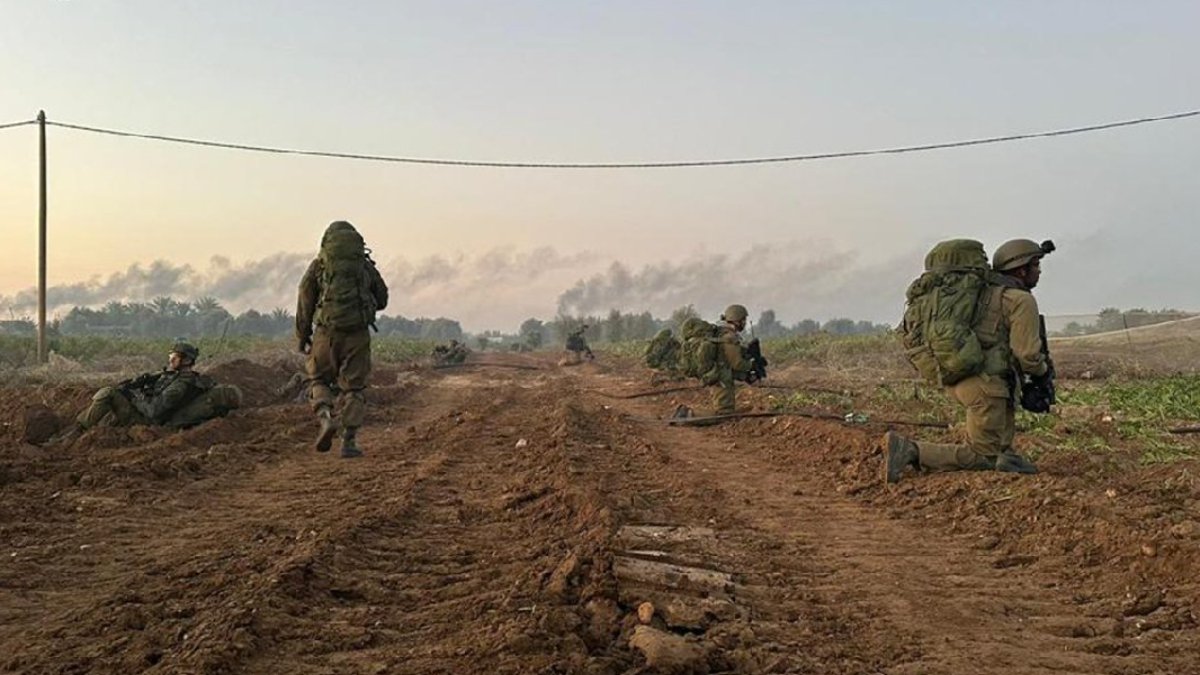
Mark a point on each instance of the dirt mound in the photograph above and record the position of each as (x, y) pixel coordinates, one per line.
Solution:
(40, 424)
(260, 384)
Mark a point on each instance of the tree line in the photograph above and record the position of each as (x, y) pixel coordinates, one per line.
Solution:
(167, 317)
(619, 326)
(1111, 319)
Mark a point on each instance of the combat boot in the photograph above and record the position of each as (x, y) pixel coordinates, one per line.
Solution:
(1011, 462)
(350, 448)
(328, 429)
(898, 452)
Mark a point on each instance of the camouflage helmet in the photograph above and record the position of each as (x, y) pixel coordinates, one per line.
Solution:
(337, 226)
(735, 313)
(186, 349)
(1017, 253)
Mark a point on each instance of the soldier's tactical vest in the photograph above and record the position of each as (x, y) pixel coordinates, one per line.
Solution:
(345, 302)
(953, 324)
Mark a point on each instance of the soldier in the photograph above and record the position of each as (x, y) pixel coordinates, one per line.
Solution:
(734, 362)
(340, 292)
(1008, 331)
(451, 354)
(577, 346)
(175, 397)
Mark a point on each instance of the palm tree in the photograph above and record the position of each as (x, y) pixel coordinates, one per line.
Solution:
(207, 304)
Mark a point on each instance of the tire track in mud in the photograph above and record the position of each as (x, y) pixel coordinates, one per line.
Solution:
(893, 597)
(456, 582)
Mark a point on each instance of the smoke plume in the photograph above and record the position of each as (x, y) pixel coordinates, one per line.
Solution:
(797, 280)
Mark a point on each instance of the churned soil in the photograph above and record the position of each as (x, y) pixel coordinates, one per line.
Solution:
(514, 520)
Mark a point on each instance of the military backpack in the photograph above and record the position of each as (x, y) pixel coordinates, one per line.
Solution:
(662, 353)
(346, 302)
(699, 351)
(943, 306)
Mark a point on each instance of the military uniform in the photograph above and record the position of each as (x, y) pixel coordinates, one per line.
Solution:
(1008, 329)
(577, 346)
(172, 398)
(452, 354)
(733, 365)
(336, 358)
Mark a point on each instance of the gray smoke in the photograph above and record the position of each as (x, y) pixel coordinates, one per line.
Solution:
(493, 289)
(253, 284)
(797, 280)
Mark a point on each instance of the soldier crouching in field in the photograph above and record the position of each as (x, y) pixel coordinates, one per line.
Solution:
(734, 361)
(1007, 347)
(340, 292)
(175, 397)
(577, 347)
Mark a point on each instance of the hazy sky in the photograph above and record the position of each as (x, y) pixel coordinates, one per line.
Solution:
(608, 81)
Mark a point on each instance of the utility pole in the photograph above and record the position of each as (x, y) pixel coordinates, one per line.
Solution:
(41, 337)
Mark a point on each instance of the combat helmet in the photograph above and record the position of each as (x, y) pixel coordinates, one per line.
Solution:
(337, 226)
(187, 349)
(1017, 253)
(735, 313)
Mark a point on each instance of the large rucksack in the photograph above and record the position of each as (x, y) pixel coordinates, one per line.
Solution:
(699, 351)
(346, 302)
(663, 351)
(943, 305)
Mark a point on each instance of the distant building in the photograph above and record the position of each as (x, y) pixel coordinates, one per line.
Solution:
(18, 327)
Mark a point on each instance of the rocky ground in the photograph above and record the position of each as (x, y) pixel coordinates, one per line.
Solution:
(515, 520)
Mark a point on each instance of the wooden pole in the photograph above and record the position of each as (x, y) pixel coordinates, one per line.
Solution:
(41, 336)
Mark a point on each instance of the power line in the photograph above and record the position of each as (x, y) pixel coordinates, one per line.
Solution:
(17, 124)
(629, 165)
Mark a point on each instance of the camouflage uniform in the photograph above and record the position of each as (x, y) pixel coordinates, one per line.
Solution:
(172, 398)
(577, 346)
(1008, 330)
(336, 358)
(733, 364)
(452, 354)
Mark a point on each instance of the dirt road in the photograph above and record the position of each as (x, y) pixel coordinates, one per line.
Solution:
(509, 520)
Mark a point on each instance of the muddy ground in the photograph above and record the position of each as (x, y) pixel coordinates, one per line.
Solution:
(513, 520)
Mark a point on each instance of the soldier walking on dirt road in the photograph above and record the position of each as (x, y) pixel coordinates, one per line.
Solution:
(340, 292)
(1011, 354)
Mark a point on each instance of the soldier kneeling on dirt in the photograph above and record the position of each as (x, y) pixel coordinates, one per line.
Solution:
(577, 347)
(976, 330)
(177, 397)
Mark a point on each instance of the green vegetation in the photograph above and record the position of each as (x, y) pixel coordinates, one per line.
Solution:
(830, 348)
(19, 351)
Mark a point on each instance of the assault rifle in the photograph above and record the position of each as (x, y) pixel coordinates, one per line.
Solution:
(759, 367)
(1037, 393)
(138, 384)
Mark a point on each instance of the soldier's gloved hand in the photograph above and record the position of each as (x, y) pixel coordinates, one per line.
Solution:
(751, 377)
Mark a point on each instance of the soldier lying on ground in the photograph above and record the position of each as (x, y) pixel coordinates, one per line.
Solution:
(177, 396)
(454, 353)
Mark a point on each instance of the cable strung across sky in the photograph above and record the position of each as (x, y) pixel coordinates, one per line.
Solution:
(618, 165)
